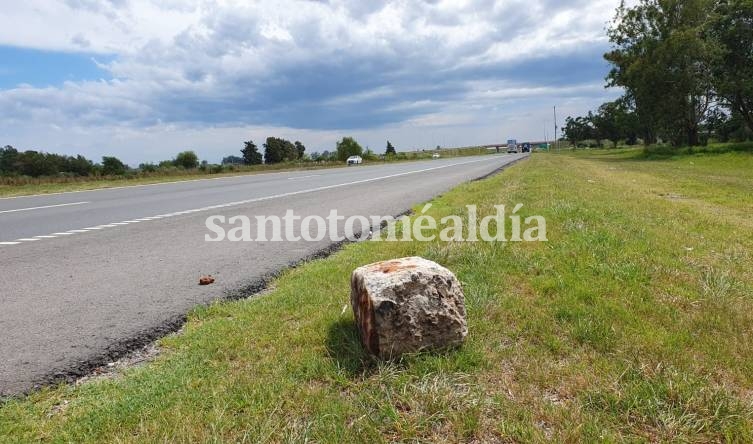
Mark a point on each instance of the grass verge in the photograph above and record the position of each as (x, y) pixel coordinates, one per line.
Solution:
(634, 322)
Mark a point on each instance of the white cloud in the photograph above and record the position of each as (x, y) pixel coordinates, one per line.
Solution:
(221, 69)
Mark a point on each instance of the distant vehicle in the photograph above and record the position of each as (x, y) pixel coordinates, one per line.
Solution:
(354, 160)
(435, 156)
(512, 146)
(526, 148)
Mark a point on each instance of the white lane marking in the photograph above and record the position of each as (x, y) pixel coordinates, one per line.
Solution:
(242, 202)
(9, 243)
(329, 187)
(43, 207)
(49, 236)
(62, 234)
(303, 177)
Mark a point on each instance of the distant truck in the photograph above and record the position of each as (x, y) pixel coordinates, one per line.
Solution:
(512, 146)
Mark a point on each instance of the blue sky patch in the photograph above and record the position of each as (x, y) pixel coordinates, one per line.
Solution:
(48, 68)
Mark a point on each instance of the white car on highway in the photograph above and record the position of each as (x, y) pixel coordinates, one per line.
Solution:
(354, 160)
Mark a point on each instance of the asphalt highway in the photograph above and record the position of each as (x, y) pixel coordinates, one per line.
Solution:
(89, 275)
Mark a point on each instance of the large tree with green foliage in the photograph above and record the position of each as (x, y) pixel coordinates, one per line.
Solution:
(614, 121)
(578, 129)
(348, 147)
(186, 159)
(730, 29)
(251, 155)
(661, 59)
(278, 150)
(112, 166)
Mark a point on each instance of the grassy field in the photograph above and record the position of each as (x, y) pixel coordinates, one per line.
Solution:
(633, 323)
(24, 185)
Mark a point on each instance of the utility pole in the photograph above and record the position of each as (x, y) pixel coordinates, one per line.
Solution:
(556, 141)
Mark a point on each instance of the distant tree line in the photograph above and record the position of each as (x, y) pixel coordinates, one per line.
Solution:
(686, 67)
(38, 164)
(34, 163)
(274, 151)
(278, 150)
(186, 160)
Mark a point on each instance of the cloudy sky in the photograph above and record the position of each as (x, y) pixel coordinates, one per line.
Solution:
(144, 79)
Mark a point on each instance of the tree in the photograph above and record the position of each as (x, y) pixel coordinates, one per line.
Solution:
(147, 167)
(112, 166)
(273, 151)
(279, 150)
(348, 147)
(251, 155)
(235, 160)
(8, 160)
(35, 163)
(390, 149)
(187, 160)
(79, 165)
(731, 31)
(578, 129)
(614, 121)
(627, 121)
(300, 149)
(605, 123)
(725, 126)
(661, 60)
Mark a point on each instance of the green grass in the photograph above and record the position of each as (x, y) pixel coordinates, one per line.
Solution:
(13, 186)
(664, 152)
(633, 323)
